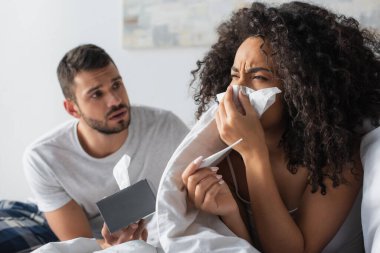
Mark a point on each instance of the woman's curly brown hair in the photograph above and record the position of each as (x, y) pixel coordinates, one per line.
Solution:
(330, 72)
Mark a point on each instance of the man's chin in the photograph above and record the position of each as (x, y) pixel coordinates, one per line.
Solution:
(121, 126)
(108, 127)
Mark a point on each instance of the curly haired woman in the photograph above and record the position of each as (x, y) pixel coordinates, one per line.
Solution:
(292, 182)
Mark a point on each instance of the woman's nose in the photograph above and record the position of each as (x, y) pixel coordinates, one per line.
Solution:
(240, 82)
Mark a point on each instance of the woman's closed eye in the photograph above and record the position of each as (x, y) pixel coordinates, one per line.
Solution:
(261, 78)
(254, 77)
(234, 76)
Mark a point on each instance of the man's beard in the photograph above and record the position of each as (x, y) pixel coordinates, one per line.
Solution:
(102, 126)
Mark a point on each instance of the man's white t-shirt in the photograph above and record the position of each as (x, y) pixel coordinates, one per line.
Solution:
(59, 170)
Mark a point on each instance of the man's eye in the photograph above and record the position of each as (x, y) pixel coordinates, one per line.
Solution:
(96, 94)
(116, 85)
(233, 76)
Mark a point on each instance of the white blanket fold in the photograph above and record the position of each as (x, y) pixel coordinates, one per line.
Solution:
(370, 157)
(87, 245)
(182, 227)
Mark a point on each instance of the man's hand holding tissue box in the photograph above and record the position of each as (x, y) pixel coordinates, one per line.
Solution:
(124, 211)
(135, 231)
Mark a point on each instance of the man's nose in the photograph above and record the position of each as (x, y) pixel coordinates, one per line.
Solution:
(113, 99)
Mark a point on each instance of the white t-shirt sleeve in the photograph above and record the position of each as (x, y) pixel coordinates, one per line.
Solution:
(46, 189)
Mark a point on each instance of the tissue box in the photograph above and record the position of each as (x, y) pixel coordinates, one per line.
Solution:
(128, 205)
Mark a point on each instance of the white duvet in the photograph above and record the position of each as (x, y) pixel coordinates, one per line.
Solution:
(182, 227)
(370, 156)
(86, 245)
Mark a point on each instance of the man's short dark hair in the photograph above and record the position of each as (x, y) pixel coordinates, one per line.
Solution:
(82, 58)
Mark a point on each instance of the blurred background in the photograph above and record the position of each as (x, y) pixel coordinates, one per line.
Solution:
(35, 34)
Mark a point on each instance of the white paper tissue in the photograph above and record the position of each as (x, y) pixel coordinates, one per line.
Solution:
(120, 172)
(259, 99)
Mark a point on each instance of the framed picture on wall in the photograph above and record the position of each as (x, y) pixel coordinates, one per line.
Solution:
(192, 23)
(174, 23)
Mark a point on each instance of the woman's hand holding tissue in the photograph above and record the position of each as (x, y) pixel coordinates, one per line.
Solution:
(135, 231)
(233, 125)
(207, 190)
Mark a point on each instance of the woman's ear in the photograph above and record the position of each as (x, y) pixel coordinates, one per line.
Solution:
(71, 108)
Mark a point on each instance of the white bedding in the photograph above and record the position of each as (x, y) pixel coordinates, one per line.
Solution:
(86, 245)
(370, 156)
(183, 228)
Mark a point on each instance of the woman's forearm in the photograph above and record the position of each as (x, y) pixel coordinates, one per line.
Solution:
(236, 224)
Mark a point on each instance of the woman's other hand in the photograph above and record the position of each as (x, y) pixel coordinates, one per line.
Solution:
(207, 190)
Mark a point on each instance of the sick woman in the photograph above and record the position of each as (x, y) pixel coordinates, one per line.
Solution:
(292, 183)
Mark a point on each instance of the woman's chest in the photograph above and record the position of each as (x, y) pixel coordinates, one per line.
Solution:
(290, 186)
